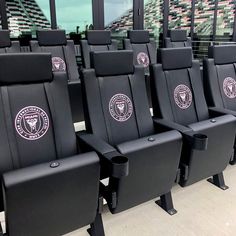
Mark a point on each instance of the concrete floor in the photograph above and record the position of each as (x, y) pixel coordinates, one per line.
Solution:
(203, 210)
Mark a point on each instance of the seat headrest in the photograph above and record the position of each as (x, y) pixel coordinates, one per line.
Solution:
(110, 63)
(178, 35)
(175, 58)
(139, 36)
(5, 40)
(223, 54)
(98, 37)
(51, 37)
(19, 68)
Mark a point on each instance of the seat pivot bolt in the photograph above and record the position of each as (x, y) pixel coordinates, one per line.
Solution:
(54, 164)
(151, 139)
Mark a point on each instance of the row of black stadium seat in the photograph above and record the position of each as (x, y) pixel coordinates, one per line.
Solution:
(64, 56)
(49, 171)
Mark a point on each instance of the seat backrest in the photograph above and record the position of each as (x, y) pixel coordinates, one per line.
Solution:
(117, 107)
(96, 40)
(6, 45)
(177, 87)
(62, 50)
(220, 76)
(143, 47)
(35, 118)
(178, 38)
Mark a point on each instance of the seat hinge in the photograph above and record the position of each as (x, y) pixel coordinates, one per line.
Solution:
(184, 171)
(178, 176)
(100, 205)
(113, 200)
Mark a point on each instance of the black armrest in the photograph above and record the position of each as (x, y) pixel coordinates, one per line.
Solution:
(197, 141)
(219, 111)
(116, 164)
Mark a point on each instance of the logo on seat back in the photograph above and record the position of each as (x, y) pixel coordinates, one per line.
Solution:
(229, 87)
(58, 64)
(120, 107)
(143, 59)
(31, 123)
(183, 96)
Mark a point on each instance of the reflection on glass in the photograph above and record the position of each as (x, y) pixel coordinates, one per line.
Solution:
(180, 14)
(225, 17)
(204, 15)
(153, 17)
(25, 16)
(74, 15)
(118, 16)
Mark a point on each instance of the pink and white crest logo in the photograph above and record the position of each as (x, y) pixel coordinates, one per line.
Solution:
(31, 123)
(229, 87)
(120, 107)
(58, 64)
(143, 59)
(183, 96)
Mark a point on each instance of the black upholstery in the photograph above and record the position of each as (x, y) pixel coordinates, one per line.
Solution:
(98, 37)
(143, 47)
(222, 54)
(54, 38)
(14, 64)
(178, 38)
(219, 77)
(40, 165)
(114, 64)
(6, 46)
(138, 36)
(63, 60)
(121, 128)
(144, 50)
(96, 40)
(172, 59)
(178, 99)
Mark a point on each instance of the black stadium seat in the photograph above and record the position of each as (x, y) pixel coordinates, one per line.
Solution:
(6, 45)
(178, 38)
(220, 78)
(179, 102)
(144, 50)
(143, 47)
(49, 189)
(63, 60)
(140, 160)
(96, 40)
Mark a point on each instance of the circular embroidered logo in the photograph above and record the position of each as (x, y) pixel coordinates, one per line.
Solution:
(120, 107)
(183, 96)
(32, 123)
(143, 59)
(58, 64)
(229, 87)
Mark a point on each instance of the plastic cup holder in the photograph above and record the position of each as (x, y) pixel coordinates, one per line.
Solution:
(120, 166)
(119, 160)
(200, 141)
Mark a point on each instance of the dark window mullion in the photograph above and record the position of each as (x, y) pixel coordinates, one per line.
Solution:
(3, 13)
(98, 14)
(138, 14)
(192, 19)
(53, 14)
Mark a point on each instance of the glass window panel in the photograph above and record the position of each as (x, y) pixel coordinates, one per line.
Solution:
(204, 15)
(118, 16)
(225, 17)
(25, 16)
(153, 17)
(74, 15)
(180, 14)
